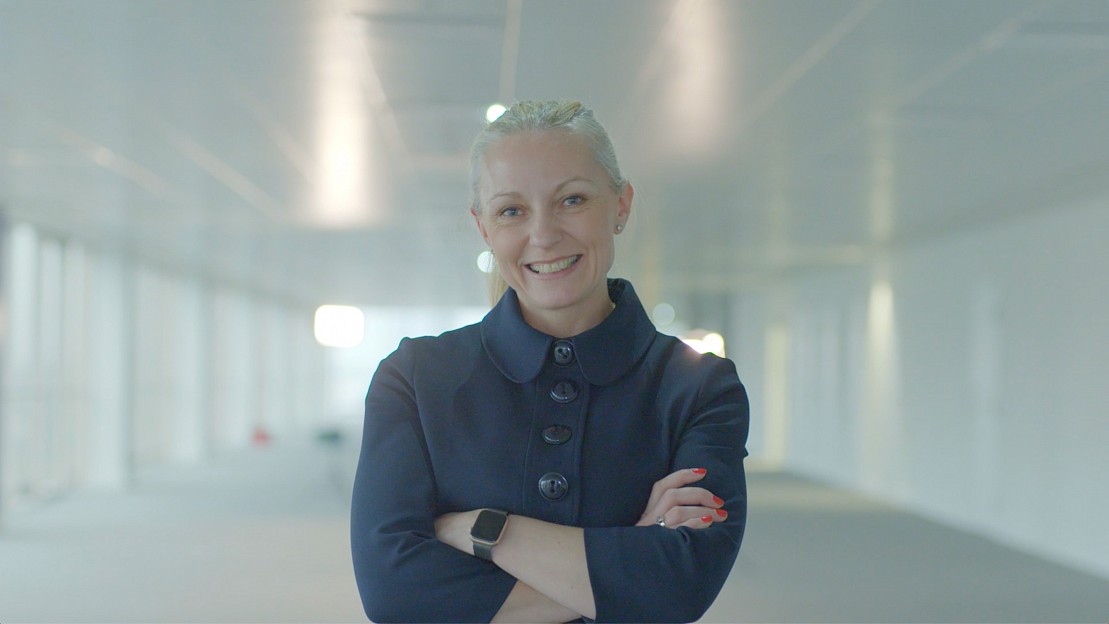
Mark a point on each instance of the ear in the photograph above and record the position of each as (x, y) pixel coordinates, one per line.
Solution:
(481, 227)
(624, 204)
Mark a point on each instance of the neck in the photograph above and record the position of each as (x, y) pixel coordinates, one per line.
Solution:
(569, 321)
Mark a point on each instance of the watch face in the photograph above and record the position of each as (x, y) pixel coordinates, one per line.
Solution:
(488, 526)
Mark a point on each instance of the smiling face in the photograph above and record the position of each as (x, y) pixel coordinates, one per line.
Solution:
(549, 213)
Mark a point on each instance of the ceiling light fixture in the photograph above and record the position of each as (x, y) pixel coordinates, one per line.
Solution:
(494, 112)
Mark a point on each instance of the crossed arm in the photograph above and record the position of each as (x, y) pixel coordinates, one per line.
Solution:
(549, 561)
(541, 571)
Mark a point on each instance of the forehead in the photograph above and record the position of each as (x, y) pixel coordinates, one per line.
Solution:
(534, 159)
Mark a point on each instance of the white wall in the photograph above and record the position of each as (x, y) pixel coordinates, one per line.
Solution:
(962, 377)
(112, 363)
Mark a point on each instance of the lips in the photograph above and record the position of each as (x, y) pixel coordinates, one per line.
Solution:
(553, 267)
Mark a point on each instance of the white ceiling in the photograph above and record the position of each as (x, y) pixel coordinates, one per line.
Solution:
(317, 150)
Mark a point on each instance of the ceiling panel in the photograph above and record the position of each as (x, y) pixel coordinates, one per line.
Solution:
(317, 150)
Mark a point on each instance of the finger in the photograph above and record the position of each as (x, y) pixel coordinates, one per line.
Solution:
(675, 516)
(699, 522)
(670, 517)
(674, 480)
(681, 515)
(689, 496)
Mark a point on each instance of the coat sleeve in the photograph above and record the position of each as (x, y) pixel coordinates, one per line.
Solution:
(655, 574)
(404, 573)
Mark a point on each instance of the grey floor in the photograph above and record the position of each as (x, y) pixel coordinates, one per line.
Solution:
(817, 554)
(261, 536)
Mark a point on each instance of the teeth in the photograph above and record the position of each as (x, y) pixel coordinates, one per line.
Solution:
(554, 267)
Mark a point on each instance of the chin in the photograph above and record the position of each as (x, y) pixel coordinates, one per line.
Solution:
(559, 298)
(552, 301)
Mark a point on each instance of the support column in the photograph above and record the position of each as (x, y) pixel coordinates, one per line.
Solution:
(3, 351)
(111, 378)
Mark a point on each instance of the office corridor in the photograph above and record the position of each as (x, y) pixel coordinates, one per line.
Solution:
(261, 536)
(218, 216)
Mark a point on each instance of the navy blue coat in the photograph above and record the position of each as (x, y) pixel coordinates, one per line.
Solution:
(456, 422)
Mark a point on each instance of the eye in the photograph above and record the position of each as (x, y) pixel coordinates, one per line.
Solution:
(573, 200)
(510, 211)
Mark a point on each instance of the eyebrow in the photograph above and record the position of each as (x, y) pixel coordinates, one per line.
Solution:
(556, 189)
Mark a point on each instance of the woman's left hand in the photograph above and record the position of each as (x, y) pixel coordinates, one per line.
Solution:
(679, 504)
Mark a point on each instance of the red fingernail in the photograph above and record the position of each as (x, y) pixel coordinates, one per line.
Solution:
(699, 471)
(718, 500)
(721, 513)
(706, 519)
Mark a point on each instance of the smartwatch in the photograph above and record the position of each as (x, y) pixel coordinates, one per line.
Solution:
(487, 531)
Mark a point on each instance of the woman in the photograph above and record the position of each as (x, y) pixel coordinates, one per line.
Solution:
(561, 459)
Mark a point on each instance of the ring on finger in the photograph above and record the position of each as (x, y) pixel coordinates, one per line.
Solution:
(661, 521)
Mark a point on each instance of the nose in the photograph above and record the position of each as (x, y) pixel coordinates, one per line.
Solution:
(545, 230)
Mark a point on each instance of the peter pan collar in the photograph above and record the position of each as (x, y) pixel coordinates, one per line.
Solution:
(605, 353)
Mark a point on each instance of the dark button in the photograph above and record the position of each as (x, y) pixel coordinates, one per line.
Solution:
(564, 391)
(556, 434)
(553, 486)
(563, 353)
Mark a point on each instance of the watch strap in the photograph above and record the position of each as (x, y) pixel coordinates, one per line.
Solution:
(483, 551)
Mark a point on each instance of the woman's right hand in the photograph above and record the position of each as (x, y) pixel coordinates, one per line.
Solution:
(679, 504)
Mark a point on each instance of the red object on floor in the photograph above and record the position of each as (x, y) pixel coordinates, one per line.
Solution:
(261, 437)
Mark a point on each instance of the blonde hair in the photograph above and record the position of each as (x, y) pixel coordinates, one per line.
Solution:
(540, 116)
(497, 286)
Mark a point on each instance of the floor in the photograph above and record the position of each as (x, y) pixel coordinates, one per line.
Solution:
(261, 536)
(817, 554)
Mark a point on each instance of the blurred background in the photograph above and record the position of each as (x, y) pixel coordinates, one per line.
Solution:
(892, 215)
